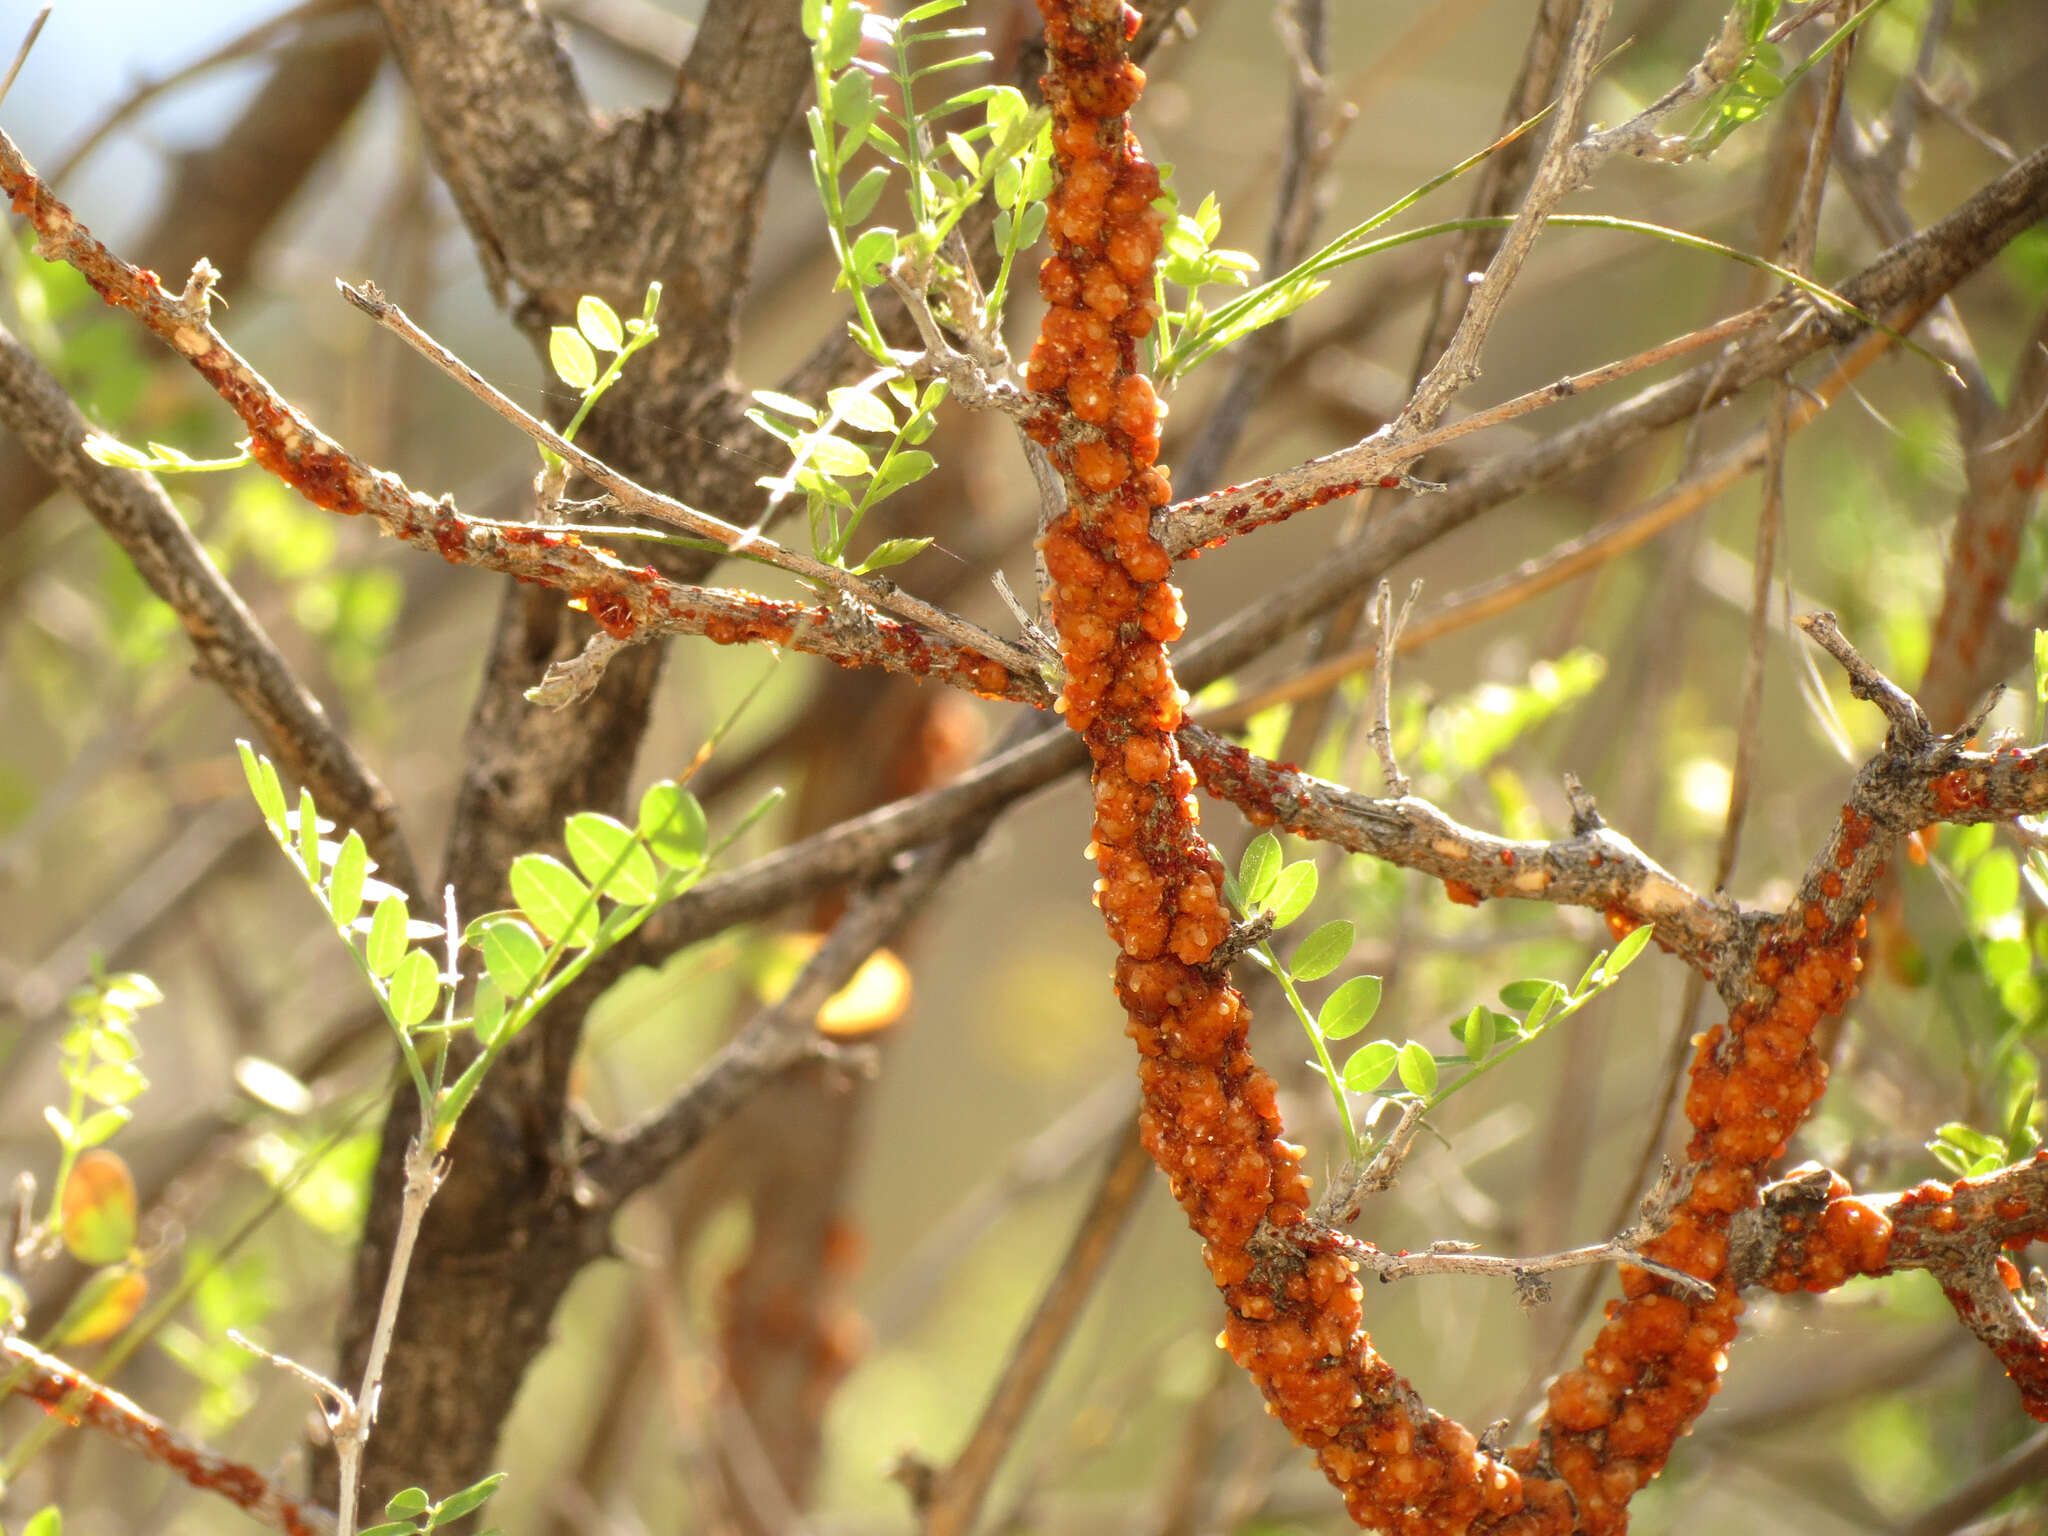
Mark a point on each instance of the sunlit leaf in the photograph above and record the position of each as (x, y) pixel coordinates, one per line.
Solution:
(1259, 867)
(557, 903)
(264, 785)
(1349, 1008)
(345, 885)
(1293, 889)
(512, 954)
(571, 358)
(608, 855)
(415, 988)
(104, 1305)
(385, 946)
(892, 552)
(1369, 1066)
(673, 825)
(1418, 1069)
(98, 1212)
(599, 323)
(1323, 950)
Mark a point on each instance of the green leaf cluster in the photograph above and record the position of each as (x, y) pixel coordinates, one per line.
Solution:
(945, 169)
(410, 1510)
(1266, 885)
(573, 352)
(565, 918)
(843, 479)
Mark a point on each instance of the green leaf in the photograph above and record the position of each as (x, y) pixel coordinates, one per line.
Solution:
(570, 356)
(1007, 108)
(1349, 1008)
(833, 455)
(1552, 995)
(1369, 1066)
(1418, 1069)
(853, 99)
(1293, 890)
(842, 37)
(788, 405)
(263, 785)
(1323, 951)
(891, 552)
(407, 1501)
(100, 1124)
(1258, 868)
(345, 885)
(860, 198)
(385, 946)
(456, 1505)
(415, 988)
(874, 250)
(861, 409)
(672, 824)
(512, 955)
(611, 858)
(904, 467)
(1479, 1032)
(98, 1210)
(599, 324)
(557, 903)
(47, 1521)
(928, 10)
(115, 1082)
(2019, 1121)
(1637, 940)
(812, 15)
(390, 1528)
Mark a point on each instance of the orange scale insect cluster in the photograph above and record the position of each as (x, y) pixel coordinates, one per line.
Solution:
(1820, 1250)
(1658, 1360)
(1210, 1116)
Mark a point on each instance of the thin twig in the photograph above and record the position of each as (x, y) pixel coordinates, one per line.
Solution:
(1564, 166)
(1387, 630)
(35, 30)
(77, 1398)
(636, 498)
(358, 1416)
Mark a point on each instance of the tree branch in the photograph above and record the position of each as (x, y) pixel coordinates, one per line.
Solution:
(76, 1398)
(232, 647)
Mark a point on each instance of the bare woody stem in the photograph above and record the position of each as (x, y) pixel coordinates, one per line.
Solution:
(357, 1417)
(75, 1397)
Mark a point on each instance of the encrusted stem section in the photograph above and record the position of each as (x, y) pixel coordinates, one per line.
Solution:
(1209, 1119)
(1209, 1116)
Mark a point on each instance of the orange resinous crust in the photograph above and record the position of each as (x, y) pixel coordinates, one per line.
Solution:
(1209, 1119)
(1209, 1115)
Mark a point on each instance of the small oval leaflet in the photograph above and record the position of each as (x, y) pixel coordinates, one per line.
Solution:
(611, 858)
(1323, 950)
(1292, 892)
(571, 358)
(1259, 867)
(1418, 1069)
(558, 904)
(415, 988)
(1369, 1066)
